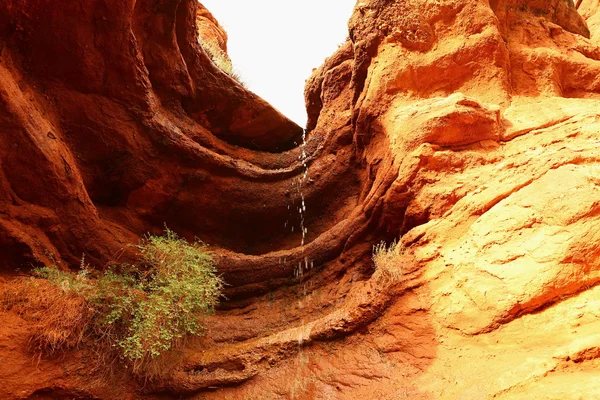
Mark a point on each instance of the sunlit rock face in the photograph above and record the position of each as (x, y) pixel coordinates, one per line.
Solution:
(209, 28)
(468, 128)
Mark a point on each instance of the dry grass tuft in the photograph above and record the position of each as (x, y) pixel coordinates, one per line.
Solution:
(60, 317)
(387, 260)
(220, 58)
(217, 55)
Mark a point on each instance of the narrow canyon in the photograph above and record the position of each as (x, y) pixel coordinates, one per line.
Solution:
(467, 130)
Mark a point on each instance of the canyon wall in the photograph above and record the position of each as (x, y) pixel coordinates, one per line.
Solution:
(469, 129)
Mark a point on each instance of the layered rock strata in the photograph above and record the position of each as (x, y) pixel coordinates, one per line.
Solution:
(468, 128)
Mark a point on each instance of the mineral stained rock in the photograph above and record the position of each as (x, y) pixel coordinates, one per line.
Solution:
(470, 129)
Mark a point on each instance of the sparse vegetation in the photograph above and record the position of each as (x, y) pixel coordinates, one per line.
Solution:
(387, 260)
(60, 317)
(142, 310)
(220, 58)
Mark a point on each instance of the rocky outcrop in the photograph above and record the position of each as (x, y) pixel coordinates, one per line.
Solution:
(469, 128)
(213, 39)
(589, 11)
(209, 28)
(91, 97)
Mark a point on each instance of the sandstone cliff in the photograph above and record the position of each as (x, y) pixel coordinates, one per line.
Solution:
(468, 128)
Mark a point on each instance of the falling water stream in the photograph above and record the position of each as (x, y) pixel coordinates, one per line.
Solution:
(302, 267)
(304, 264)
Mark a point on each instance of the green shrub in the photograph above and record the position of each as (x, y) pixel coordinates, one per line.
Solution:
(146, 310)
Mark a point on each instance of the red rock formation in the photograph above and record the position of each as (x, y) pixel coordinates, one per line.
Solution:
(469, 127)
(91, 97)
(209, 28)
(213, 39)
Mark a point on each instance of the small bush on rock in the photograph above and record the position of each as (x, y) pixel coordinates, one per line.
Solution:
(387, 260)
(142, 310)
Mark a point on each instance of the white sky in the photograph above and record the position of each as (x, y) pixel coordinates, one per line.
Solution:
(275, 44)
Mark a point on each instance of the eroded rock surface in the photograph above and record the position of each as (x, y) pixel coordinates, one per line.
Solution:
(469, 128)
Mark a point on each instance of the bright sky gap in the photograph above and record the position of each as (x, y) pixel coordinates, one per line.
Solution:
(274, 44)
